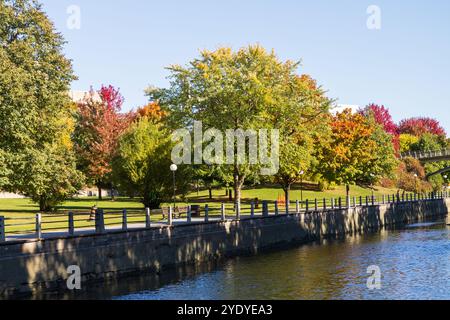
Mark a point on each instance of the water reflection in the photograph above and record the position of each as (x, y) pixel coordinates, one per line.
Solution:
(414, 263)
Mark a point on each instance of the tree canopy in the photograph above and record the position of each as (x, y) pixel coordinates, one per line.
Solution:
(34, 105)
(245, 89)
(359, 151)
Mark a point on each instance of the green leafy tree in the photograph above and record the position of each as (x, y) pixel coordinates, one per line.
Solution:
(303, 122)
(212, 176)
(226, 90)
(407, 141)
(34, 106)
(430, 142)
(143, 161)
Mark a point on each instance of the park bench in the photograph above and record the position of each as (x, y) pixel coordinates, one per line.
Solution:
(177, 213)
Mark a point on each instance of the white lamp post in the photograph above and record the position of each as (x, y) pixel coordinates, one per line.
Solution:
(174, 169)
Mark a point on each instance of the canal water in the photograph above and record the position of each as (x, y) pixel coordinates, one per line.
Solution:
(414, 264)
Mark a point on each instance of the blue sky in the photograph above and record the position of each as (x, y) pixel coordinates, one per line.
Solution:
(405, 65)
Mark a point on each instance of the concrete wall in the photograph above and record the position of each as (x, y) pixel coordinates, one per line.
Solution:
(36, 265)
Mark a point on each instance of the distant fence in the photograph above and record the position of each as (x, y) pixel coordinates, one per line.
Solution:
(101, 222)
(426, 155)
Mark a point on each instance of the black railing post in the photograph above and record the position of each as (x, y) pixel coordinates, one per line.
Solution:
(124, 220)
(265, 209)
(2, 229)
(170, 216)
(38, 226)
(223, 213)
(148, 218)
(71, 224)
(99, 221)
(206, 213)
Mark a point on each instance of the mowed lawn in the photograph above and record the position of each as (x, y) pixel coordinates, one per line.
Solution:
(20, 213)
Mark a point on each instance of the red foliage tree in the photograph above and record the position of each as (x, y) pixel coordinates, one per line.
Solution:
(383, 117)
(99, 127)
(420, 126)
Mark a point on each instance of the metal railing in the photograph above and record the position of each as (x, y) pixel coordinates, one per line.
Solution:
(426, 154)
(79, 223)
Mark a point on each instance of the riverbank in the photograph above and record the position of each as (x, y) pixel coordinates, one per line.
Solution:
(42, 265)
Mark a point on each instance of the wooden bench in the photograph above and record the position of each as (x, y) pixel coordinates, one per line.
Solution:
(177, 213)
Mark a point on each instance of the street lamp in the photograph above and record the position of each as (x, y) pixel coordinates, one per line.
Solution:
(301, 187)
(174, 169)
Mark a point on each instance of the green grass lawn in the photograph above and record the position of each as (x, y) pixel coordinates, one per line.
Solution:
(20, 213)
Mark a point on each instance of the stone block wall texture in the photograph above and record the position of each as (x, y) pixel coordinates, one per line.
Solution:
(32, 266)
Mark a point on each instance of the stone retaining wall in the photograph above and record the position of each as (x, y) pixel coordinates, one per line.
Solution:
(36, 265)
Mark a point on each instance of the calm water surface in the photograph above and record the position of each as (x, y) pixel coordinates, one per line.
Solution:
(415, 264)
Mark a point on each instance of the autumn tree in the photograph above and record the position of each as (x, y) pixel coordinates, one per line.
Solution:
(36, 153)
(359, 151)
(411, 176)
(382, 116)
(419, 126)
(151, 111)
(248, 89)
(99, 127)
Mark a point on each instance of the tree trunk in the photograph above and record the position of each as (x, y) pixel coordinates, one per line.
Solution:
(112, 193)
(100, 197)
(43, 205)
(210, 193)
(287, 194)
(238, 183)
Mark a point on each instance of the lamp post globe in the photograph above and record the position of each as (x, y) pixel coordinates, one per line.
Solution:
(173, 168)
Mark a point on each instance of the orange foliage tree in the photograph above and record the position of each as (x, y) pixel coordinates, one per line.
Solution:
(358, 151)
(151, 111)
